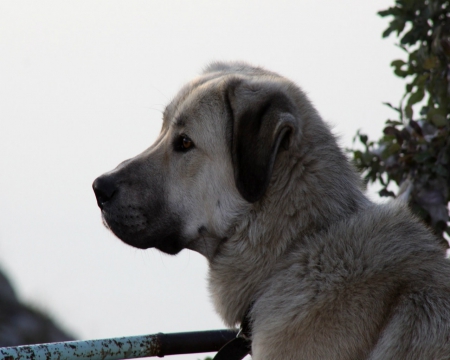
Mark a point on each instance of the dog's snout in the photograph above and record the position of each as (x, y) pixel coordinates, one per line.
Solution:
(104, 188)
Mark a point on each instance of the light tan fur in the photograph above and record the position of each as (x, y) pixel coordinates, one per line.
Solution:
(330, 274)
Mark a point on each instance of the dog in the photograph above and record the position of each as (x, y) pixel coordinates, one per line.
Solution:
(247, 173)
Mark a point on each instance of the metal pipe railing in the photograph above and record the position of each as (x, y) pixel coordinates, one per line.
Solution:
(123, 347)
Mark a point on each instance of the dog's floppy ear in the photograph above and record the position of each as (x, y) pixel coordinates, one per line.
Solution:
(262, 121)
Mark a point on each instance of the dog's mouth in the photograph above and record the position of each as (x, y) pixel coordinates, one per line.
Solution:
(139, 231)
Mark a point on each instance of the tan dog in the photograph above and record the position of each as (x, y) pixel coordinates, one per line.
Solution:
(246, 173)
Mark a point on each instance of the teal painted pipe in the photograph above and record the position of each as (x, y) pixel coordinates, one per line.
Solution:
(123, 347)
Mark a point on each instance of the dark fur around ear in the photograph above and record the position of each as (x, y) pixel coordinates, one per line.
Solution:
(262, 120)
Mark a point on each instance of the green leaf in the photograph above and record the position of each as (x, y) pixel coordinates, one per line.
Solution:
(402, 73)
(384, 13)
(441, 171)
(395, 25)
(415, 125)
(363, 138)
(394, 122)
(408, 111)
(391, 149)
(422, 157)
(391, 130)
(445, 43)
(416, 96)
(439, 120)
(392, 107)
(398, 63)
(430, 63)
(357, 154)
(367, 157)
(425, 110)
(444, 157)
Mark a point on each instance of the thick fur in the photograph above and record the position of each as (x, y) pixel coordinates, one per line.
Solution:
(264, 192)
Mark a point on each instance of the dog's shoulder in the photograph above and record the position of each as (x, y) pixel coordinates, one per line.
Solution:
(380, 238)
(373, 263)
(381, 250)
(390, 234)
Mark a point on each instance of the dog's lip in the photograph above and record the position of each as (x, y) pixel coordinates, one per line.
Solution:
(105, 223)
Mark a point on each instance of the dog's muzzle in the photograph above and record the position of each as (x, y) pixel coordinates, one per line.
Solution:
(136, 212)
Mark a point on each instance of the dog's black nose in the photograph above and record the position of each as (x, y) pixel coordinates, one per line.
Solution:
(104, 188)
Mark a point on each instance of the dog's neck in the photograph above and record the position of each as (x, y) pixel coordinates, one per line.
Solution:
(247, 259)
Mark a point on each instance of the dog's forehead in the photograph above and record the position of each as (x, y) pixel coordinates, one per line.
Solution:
(209, 88)
(202, 96)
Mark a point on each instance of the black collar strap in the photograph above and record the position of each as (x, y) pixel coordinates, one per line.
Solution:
(241, 345)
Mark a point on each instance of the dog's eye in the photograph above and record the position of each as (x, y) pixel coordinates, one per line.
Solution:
(183, 143)
(187, 143)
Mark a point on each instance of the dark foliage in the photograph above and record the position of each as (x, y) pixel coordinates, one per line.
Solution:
(415, 146)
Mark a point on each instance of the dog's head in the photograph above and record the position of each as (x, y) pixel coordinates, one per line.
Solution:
(212, 162)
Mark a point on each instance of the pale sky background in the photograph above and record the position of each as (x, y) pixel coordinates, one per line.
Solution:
(82, 87)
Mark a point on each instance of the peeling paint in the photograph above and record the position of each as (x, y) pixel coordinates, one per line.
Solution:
(123, 347)
(107, 349)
